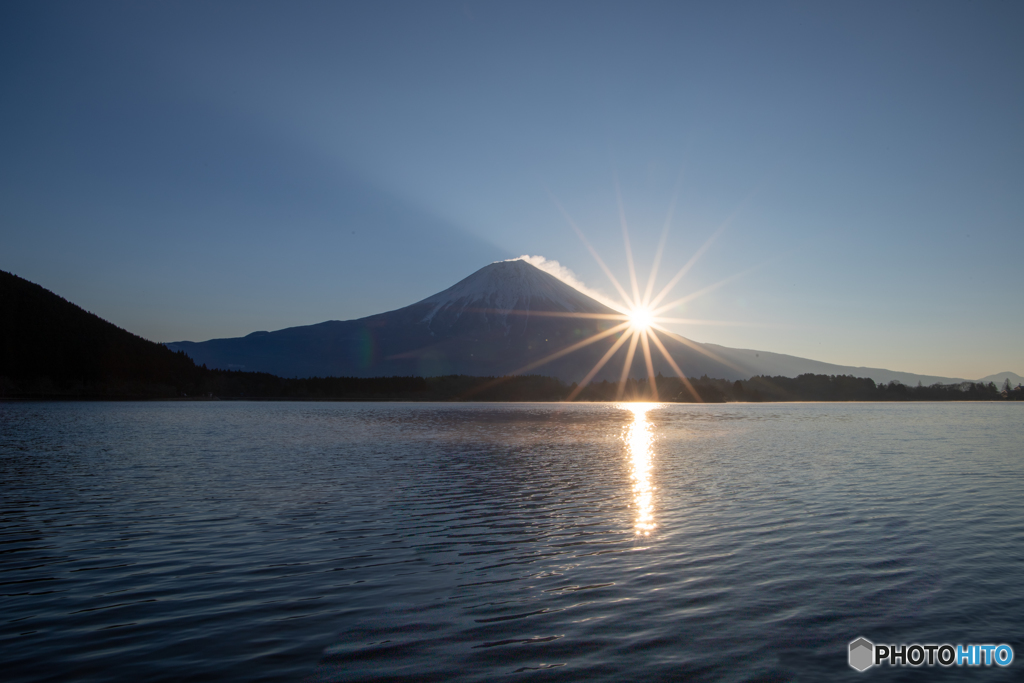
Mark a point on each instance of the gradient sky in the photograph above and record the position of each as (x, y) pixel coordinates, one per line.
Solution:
(198, 170)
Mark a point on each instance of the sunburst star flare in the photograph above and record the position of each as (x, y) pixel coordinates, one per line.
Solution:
(642, 313)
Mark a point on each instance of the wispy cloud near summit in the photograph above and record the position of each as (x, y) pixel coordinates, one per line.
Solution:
(559, 271)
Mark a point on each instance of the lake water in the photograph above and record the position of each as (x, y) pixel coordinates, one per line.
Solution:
(527, 542)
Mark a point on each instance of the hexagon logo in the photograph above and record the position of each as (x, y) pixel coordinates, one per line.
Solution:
(862, 654)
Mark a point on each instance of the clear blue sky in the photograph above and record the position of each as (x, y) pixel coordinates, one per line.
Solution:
(198, 170)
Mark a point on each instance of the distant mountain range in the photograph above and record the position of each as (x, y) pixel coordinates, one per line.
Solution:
(502, 319)
(1001, 377)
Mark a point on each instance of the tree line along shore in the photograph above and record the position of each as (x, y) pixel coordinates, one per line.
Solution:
(201, 383)
(52, 349)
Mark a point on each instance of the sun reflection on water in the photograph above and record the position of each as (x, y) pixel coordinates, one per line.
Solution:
(639, 438)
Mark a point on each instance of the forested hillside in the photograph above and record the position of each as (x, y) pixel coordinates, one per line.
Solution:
(50, 346)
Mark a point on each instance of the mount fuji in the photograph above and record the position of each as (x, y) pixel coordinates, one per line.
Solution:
(501, 319)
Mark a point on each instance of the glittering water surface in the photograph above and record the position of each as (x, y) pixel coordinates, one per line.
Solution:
(466, 542)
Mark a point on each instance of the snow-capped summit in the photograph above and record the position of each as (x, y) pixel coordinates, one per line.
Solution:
(511, 286)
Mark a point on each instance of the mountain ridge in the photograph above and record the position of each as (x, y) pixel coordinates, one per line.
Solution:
(493, 322)
(499, 320)
(999, 377)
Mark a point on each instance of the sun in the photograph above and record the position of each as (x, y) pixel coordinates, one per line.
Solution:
(641, 318)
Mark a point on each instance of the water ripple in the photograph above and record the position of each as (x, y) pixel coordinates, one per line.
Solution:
(460, 542)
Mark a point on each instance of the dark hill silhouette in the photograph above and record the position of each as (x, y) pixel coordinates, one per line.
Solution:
(50, 346)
